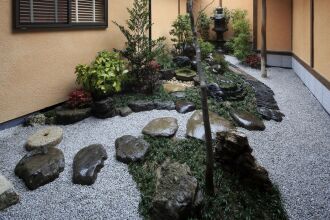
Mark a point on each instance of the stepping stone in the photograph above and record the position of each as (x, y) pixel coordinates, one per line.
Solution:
(179, 95)
(104, 108)
(87, 163)
(184, 107)
(185, 74)
(177, 194)
(130, 149)
(247, 120)
(70, 116)
(124, 111)
(174, 87)
(164, 105)
(8, 196)
(48, 137)
(38, 168)
(161, 127)
(195, 125)
(141, 105)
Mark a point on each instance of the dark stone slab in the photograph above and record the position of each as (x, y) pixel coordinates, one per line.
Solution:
(104, 108)
(141, 105)
(184, 107)
(164, 105)
(87, 164)
(38, 167)
(179, 95)
(176, 192)
(247, 120)
(167, 74)
(130, 149)
(185, 74)
(70, 116)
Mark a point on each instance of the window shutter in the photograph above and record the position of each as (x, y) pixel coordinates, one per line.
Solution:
(84, 11)
(43, 11)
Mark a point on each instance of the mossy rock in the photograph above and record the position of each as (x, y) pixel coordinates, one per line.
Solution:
(185, 74)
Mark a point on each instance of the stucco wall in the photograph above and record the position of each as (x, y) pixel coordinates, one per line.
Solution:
(301, 29)
(37, 67)
(322, 37)
(279, 20)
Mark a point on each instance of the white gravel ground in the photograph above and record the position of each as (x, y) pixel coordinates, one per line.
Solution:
(113, 196)
(296, 152)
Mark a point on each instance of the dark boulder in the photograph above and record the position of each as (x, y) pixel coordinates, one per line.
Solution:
(177, 195)
(234, 154)
(104, 108)
(189, 51)
(8, 196)
(40, 167)
(164, 105)
(124, 111)
(141, 105)
(167, 74)
(247, 120)
(66, 116)
(87, 164)
(130, 149)
(182, 61)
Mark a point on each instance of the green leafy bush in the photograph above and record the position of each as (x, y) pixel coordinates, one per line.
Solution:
(203, 25)
(206, 48)
(181, 32)
(104, 76)
(240, 45)
(140, 50)
(165, 59)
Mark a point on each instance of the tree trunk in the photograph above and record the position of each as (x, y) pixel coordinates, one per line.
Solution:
(207, 127)
(264, 40)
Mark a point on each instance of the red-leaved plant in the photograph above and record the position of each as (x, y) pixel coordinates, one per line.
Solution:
(253, 60)
(79, 98)
(154, 66)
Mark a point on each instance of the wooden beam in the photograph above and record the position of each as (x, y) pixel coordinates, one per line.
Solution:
(255, 25)
(312, 31)
(264, 39)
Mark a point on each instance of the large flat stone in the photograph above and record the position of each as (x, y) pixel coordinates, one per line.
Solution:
(174, 87)
(161, 127)
(195, 125)
(247, 120)
(70, 116)
(38, 168)
(87, 164)
(141, 105)
(47, 137)
(8, 196)
(130, 149)
(184, 107)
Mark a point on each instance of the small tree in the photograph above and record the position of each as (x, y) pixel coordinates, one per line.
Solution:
(140, 50)
(181, 32)
(203, 25)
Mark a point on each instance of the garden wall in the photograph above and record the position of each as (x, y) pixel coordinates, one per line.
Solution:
(37, 67)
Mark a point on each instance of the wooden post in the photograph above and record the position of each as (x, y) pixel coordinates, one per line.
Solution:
(264, 40)
(207, 127)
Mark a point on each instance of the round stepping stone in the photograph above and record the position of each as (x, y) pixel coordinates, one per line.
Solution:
(48, 137)
(195, 125)
(130, 149)
(38, 168)
(247, 120)
(184, 107)
(8, 196)
(161, 127)
(87, 164)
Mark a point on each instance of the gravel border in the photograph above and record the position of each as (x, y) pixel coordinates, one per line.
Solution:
(114, 194)
(296, 152)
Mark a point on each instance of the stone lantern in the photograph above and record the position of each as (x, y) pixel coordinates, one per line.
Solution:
(220, 26)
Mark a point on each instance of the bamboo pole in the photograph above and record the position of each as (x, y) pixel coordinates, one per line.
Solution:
(207, 127)
(264, 40)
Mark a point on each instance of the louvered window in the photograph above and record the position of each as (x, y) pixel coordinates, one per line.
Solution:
(61, 13)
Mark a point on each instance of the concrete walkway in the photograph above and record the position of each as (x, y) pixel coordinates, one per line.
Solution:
(296, 152)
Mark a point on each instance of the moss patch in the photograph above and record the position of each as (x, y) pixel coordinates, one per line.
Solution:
(232, 200)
